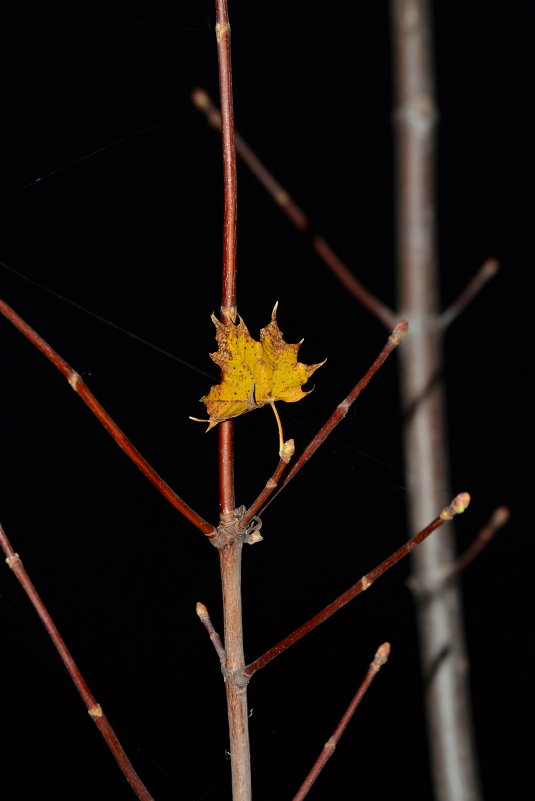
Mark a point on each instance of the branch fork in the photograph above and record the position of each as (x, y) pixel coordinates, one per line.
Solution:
(244, 527)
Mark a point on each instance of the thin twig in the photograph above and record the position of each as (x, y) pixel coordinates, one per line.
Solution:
(488, 270)
(281, 197)
(498, 519)
(381, 656)
(80, 387)
(457, 506)
(94, 709)
(342, 409)
(228, 302)
(204, 617)
(222, 28)
(287, 451)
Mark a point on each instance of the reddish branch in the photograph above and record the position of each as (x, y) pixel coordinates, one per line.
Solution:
(381, 657)
(457, 506)
(335, 264)
(228, 302)
(330, 258)
(342, 409)
(79, 386)
(288, 450)
(94, 709)
(230, 555)
(222, 29)
(227, 502)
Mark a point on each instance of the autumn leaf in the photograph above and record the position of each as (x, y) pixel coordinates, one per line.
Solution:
(253, 373)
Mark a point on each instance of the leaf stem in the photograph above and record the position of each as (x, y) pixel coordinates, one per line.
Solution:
(457, 506)
(94, 709)
(279, 426)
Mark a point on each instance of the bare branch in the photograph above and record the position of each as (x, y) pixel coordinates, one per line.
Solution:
(204, 617)
(342, 409)
(443, 650)
(381, 656)
(230, 555)
(222, 30)
(80, 387)
(94, 709)
(488, 270)
(498, 519)
(287, 451)
(457, 506)
(281, 197)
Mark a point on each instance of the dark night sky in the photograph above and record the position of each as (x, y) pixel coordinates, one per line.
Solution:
(111, 197)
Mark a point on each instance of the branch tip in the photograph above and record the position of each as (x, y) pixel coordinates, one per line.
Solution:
(486, 272)
(204, 617)
(500, 517)
(287, 450)
(458, 505)
(381, 656)
(328, 749)
(490, 267)
(201, 610)
(200, 98)
(399, 332)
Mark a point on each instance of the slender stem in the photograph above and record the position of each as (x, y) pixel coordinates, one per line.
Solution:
(230, 554)
(335, 264)
(457, 506)
(228, 303)
(443, 649)
(94, 709)
(498, 519)
(488, 270)
(204, 617)
(287, 451)
(80, 387)
(381, 656)
(342, 409)
(226, 472)
(228, 306)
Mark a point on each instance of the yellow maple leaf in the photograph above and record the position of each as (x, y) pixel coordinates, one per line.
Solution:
(253, 373)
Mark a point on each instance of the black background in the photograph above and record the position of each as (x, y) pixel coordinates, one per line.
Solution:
(111, 196)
